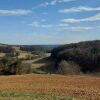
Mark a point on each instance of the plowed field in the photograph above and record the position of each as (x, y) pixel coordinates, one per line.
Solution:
(77, 86)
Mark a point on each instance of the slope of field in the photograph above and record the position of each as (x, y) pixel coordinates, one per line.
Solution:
(41, 64)
(76, 86)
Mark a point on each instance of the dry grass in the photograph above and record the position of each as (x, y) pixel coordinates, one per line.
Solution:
(39, 64)
(76, 86)
(2, 54)
(24, 54)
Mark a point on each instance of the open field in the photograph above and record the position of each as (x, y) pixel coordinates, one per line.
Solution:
(32, 96)
(38, 62)
(74, 86)
(24, 54)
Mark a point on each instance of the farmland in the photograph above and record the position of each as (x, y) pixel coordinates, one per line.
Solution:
(29, 75)
(75, 86)
(50, 50)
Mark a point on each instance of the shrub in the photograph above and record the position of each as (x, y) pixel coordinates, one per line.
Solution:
(24, 68)
(10, 66)
(68, 67)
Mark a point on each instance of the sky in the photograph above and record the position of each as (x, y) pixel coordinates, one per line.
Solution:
(49, 21)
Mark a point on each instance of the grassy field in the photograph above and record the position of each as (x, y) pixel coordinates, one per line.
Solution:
(57, 85)
(32, 96)
(24, 54)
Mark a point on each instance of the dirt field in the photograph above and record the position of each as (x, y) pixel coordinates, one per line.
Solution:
(76, 86)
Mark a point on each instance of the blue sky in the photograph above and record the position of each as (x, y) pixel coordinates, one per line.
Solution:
(49, 21)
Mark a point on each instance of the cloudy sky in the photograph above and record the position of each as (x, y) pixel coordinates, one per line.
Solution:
(49, 21)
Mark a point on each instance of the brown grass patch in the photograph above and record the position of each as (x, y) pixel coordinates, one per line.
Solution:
(24, 54)
(2, 54)
(77, 86)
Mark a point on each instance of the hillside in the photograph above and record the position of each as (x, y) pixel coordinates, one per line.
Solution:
(35, 57)
(85, 54)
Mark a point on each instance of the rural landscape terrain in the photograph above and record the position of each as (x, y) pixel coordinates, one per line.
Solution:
(61, 72)
(49, 49)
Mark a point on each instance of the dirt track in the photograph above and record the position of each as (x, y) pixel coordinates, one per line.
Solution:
(77, 86)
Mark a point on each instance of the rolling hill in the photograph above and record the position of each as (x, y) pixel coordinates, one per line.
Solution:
(85, 54)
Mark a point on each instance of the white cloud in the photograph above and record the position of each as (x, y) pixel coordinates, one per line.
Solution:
(81, 28)
(62, 25)
(15, 12)
(52, 3)
(46, 26)
(35, 24)
(79, 9)
(89, 19)
(39, 24)
(42, 23)
(77, 28)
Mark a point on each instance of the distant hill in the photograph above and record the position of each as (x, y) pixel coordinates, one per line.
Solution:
(85, 54)
(45, 48)
(50, 46)
(3, 44)
(42, 48)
